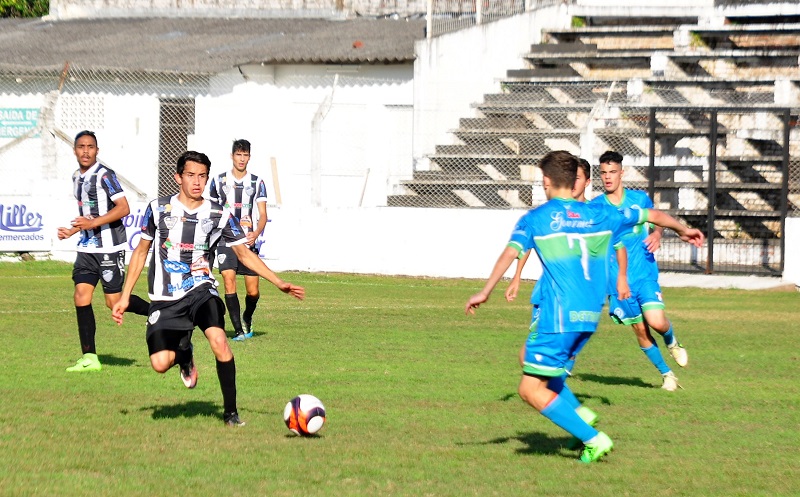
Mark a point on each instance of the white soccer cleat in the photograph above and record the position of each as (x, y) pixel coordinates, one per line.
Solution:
(679, 353)
(670, 383)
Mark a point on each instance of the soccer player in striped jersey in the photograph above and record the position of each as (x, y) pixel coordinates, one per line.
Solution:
(183, 229)
(573, 241)
(245, 194)
(101, 248)
(643, 310)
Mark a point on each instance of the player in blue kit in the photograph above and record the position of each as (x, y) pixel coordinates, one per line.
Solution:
(644, 308)
(573, 241)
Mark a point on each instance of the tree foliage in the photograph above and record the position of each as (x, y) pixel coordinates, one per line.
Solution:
(24, 8)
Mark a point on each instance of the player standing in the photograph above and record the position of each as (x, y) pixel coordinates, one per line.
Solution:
(573, 241)
(101, 248)
(245, 194)
(183, 229)
(644, 309)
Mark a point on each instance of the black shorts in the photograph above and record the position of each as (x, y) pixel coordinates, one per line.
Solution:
(169, 322)
(108, 268)
(227, 260)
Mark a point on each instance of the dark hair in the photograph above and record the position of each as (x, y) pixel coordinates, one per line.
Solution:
(561, 167)
(83, 133)
(240, 146)
(611, 156)
(587, 168)
(192, 156)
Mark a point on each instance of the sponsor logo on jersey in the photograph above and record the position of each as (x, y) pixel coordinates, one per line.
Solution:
(108, 275)
(558, 222)
(573, 215)
(176, 267)
(249, 191)
(185, 285)
(584, 317)
(184, 247)
(221, 258)
(111, 188)
(246, 222)
(200, 266)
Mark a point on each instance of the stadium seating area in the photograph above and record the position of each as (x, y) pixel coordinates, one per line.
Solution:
(706, 117)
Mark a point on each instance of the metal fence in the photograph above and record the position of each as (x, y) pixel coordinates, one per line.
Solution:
(445, 16)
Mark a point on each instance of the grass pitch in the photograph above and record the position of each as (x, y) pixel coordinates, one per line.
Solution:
(421, 399)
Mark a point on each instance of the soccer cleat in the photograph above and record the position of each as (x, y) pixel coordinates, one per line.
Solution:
(89, 362)
(232, 419)
(593, 451)
(240, 337)
(248, 329)
(679, 353)
(591, 419)
(670, 382)
(189, 374)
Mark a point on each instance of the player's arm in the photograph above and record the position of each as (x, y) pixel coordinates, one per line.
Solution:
(262, 223)
(138, 258)
(500, 267)
(120, 210)
(513, 287)
(623, 290)
(64, 233)
(689, 235)
(254, 262)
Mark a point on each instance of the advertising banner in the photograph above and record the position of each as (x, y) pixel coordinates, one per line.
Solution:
(25, 224)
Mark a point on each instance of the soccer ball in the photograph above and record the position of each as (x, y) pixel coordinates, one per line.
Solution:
(304, 415)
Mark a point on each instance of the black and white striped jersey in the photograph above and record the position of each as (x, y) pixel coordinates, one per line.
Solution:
(97, 191)
(182, 239)
(240, 196)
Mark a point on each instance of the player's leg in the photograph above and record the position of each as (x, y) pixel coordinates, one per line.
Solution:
(250, 302)
(85, 275)
(169, 339)
(112, 280)
(629, 312)
(210, 318)
(228, 264)
(545, 356)
(652, 303)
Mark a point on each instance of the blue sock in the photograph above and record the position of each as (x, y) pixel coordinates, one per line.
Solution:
(654, 355)
(669, 336)
(559, 386)
(563, 415)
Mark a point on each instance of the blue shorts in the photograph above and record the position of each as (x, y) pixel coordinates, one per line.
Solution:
(646, 296)
(547, 353)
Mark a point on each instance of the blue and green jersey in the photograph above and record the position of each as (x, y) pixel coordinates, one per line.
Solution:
(574, 242)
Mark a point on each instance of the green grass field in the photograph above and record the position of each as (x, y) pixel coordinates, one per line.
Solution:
(421, 399)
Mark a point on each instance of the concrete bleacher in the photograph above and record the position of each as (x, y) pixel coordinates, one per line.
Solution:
(590, 89)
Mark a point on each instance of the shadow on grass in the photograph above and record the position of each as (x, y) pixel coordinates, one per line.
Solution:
(613, 380)
(535, 443)
(110, 360)
(191, 409)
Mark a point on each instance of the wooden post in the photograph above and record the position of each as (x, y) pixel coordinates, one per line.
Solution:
(275, 183)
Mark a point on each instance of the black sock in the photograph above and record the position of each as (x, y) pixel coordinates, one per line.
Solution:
(86, 328)
(226, 372)
(183, 354)
(138, 305)
(249, 308)
(232, 303)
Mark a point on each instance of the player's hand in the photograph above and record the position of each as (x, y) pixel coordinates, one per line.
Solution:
(653, 242)
(474, 302)
(251, 238)
(64, 233)
(693, 236)
(83, 222)
(623, 290)
(295, 291)
(513, 288)
(119, 309)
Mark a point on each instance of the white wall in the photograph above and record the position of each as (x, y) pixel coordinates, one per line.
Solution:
(455, 70)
